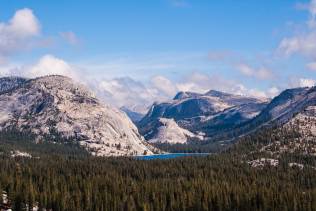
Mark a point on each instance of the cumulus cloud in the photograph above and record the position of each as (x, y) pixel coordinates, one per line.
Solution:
(273, 91)
(311, 7)
(312, 10)
(261, 73)
(164, 85)
(138, 96)
(200, 82)
(70, 37)
(15, 33)
(311, 66)
(303, 42)
(240, 89)
(125, 91)
(46, 65)
(50, 65)
(306, 82)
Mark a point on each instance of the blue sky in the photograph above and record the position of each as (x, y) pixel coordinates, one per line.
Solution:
(163, 46)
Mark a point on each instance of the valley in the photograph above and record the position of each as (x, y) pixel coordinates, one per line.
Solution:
(165, 105)
(93, 154)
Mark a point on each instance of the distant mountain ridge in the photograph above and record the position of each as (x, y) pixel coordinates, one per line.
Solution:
(202, 113)
(283, 108)
(57, 109)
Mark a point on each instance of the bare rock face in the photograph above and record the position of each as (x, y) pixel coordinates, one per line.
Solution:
(205, 114)
(168, 131)
(55, 108)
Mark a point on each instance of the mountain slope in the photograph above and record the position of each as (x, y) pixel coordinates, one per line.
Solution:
(287, 124)
(133, 115)
(206, 113)
(55, 108)
(283, 108)
(8, 83)
(168, 131)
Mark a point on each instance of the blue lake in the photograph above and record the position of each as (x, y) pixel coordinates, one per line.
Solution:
(170, 156)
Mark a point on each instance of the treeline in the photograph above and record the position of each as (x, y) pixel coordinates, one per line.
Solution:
(62, 177)
(214, 183)
(193, 147)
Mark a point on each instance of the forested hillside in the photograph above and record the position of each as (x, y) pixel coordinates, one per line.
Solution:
(62, 180)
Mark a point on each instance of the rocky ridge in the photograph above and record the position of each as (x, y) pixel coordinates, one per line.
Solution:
(58, 109)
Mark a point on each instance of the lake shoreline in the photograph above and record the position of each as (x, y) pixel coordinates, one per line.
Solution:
(170, 156)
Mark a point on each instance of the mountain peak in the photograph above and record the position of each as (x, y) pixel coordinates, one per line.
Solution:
(182, 95)
(56, 108)
(215, 93)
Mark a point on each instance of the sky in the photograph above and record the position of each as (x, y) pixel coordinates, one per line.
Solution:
(132, 53)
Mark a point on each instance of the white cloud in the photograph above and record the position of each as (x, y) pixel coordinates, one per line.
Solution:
(50, 65)
(264, 73)
(14, 34)
(138, 96)
(70, 37)
(304, 44)
(261, 73)
(273, 91)
(240, 89)
(311, 66)
(245, 70)
(7, 70)
(200, 82)
(312, 11)
(311, 7)
(304, 41)
(127, 92)
(306, 82)
(164, 85)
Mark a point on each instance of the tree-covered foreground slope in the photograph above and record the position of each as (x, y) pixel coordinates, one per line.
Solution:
(62, 177)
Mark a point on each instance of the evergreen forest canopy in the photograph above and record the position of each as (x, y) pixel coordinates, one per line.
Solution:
(64, 177)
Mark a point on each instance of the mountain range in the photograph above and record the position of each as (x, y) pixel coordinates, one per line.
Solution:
(204, 115)
(57, 109)
(215, 116)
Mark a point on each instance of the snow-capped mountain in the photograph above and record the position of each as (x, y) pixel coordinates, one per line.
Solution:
(56, 108)
(202, 113)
